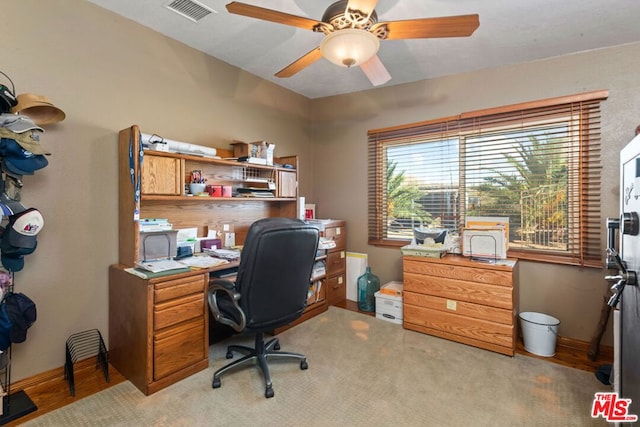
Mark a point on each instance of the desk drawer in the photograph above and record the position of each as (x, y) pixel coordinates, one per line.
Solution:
(178, 310)
(338, 235)
(178, 348)
(171, 289)
(336, 262)
(336, 289)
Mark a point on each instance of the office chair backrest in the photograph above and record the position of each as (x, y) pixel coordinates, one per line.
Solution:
(274, 272)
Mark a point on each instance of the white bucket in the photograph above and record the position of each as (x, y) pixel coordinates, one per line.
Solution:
(539, 332)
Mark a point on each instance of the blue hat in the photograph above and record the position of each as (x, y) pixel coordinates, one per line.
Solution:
(22, 314)
(19, 161)
(19, 238)
(5, 328)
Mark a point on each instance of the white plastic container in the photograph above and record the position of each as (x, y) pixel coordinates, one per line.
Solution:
(539, 332)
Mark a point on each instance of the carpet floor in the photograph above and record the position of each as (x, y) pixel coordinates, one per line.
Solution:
(362, 372)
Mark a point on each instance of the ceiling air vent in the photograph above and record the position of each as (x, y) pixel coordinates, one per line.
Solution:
(190, 9)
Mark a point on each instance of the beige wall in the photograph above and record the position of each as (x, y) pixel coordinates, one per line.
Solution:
(571, 294)
(108, 73)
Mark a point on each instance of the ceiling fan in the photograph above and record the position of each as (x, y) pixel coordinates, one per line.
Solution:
(353, 34)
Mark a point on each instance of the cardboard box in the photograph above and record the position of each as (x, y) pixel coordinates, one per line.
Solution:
(389, 307)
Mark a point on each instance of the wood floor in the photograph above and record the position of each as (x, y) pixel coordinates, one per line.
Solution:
(50, 390)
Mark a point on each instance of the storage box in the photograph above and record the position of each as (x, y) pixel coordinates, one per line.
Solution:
(210, 244)
(389, 307)
(215, 190)
(156, 245)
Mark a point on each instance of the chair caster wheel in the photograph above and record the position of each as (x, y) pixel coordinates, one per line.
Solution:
(216, 383)
(304, 365)
(229, 355)
(268, 393)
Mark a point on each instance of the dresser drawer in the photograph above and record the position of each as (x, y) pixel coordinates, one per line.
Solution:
(461, 272)
(336, 288)
(462, 326)
(336, 262)
(178, 348)
(455, 306)
(178, 310)
(171, 289)
(459, 290)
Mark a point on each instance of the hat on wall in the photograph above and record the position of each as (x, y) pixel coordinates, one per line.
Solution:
(18, 123)
(29, 140)
(22, 313)
(19, 161)
(19, 238)
(17, 314)
(39, 108)
(5, 328)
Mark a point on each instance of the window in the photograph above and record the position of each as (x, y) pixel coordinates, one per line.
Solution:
(537, 163)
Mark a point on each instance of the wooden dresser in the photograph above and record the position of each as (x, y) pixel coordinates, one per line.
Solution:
(470, 302)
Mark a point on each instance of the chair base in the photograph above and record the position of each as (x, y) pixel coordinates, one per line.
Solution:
(259, 356)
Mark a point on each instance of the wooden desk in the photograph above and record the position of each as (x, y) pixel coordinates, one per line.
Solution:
(159, 328)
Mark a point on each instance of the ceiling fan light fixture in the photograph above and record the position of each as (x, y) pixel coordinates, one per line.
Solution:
(349, 47)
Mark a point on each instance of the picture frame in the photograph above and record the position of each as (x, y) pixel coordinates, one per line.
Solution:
(309, 211)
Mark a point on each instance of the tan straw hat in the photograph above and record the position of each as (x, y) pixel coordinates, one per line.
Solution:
(39, 108)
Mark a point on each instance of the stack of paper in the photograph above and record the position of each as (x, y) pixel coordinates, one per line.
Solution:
(160, 265)
(228, 254)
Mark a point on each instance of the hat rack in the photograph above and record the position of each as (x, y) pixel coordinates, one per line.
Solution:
(39, 110)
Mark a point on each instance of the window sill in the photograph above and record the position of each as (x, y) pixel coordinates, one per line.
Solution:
(520, 255)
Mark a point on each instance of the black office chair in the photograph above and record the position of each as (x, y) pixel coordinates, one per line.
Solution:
(270, 291)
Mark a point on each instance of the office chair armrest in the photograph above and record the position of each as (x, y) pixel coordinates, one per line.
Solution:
(236, 317)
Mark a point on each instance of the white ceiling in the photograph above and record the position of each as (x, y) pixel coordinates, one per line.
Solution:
(510, 32)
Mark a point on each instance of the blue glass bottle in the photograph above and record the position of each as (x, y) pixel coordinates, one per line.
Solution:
(368, 285)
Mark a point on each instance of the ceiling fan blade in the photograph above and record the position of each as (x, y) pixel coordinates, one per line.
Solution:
(300, 63)
(448, 26)
(364, 6)
(271, 15)
(375, 71)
